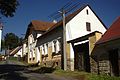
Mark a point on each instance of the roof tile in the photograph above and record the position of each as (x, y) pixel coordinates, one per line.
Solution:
(112, 33)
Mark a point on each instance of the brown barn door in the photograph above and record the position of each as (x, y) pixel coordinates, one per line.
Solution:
(82, 60)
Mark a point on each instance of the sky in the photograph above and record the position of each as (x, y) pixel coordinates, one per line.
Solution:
(28, 10)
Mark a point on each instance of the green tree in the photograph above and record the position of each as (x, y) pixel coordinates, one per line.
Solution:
(11, 40)
(2, 44)
(8, 7)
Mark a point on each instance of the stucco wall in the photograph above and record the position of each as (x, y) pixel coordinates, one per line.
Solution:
(77, 26)
(50, 58)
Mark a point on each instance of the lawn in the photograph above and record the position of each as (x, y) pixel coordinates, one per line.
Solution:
(84, 75)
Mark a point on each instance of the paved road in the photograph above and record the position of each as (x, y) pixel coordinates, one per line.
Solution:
(14, 71)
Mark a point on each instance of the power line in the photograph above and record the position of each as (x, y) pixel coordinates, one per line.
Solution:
(71, 5)
(64, 7)
(61, 13)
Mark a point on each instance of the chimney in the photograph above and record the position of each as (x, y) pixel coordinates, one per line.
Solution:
(54, 21)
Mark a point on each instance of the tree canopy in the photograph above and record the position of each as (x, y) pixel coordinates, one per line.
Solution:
(8, 7)
(11, 40)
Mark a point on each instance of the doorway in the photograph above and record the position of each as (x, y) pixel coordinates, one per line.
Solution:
(113, 58)
(82, 59)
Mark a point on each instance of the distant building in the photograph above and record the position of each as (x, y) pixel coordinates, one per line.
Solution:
(35, 29)
(17, 52)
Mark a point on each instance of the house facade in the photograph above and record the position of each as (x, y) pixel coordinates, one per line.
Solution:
(34, 30)
(25, 51)
(107, 51)
(17, 53)
(83, 29)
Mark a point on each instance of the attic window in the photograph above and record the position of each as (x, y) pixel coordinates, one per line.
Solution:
(87, 11)
(88, 26)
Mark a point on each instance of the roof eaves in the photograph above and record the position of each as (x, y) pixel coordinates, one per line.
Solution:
(83, 37)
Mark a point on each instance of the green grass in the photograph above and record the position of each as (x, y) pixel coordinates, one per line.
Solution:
(2, 62)
(84, 75)
(73, 74)
(103, 77)
(13, 58)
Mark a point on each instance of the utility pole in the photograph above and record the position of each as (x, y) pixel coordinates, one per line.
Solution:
(64, 11)
(64, 41)
(64, 38)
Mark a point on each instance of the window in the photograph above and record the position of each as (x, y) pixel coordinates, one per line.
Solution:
(30, 59)
(87, 12)
(33, 58)
(57, 46)
(88, 26)
(46, 49)
(54, 45)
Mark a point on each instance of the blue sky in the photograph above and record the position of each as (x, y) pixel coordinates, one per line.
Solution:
(107, 10)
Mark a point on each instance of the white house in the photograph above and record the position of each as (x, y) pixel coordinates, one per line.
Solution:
(83, 29)
(17, 52)
(35, 29)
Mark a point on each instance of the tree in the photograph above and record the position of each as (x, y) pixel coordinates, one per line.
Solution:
(2, 44)
(11, 40)
(8, 7)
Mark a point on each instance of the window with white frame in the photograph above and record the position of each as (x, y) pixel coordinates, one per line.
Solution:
(46, 48)
(53, 46)
(43, 50)
(57, 46)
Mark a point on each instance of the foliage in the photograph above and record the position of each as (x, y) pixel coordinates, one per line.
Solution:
(8, 7)
(11, 40)
(12, 58)
(2, 44)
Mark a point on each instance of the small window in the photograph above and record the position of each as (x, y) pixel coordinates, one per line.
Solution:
(88, 26)
(87, 12)
(33, 58)
(30, 59)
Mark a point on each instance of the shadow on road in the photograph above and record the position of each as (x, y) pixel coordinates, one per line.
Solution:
(12, 72)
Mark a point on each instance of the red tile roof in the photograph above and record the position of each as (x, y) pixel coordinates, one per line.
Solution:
(112, 33)
(38, 25)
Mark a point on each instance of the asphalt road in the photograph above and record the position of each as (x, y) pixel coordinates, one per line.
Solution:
(13, 71)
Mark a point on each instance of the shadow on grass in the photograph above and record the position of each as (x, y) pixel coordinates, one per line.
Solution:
(10, 72)
(43, 70)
